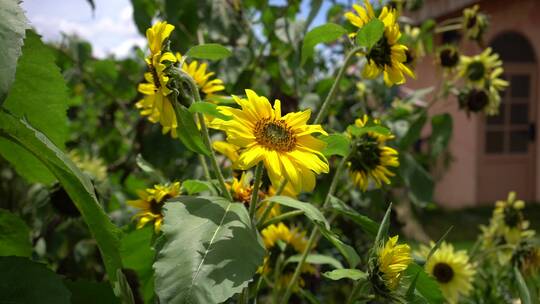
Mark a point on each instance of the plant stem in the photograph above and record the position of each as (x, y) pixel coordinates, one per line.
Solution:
(279, 218)
(255, 192)
(206, 136)
(206, 172)
(271, 204)
(315, 232)
(333, 89)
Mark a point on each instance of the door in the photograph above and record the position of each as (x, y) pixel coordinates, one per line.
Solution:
(507, 151)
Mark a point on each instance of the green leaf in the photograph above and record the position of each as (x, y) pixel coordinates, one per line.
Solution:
(138, 255)
(24, 281)
(15, 236)
(336, 144)
(370, 34)
(382, 233)
(522, 287)
(210, 51)
(413, 134)
(317, 259)
(310, 211)
(89, 292)
(438, 244)
(188, 132)
(211, 251)
(347, 251)
(338, 274)
(425, 284)
(13, 24)
(367, 224)
(39, 94)
(417, 179)
(143, 12)
(441, 131)
(77, 185)
(321, 34)
(149, 169)
(209, 109)
(194, 186)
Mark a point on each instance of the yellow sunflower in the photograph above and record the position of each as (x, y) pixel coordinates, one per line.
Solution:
(92, 166)
(156, 103)
(451, 269)
(227, 149)
(509, 215)
(392, 260)
(477, 70)
(388, 55)
(151, 202)
(284, 144)
(448, 56)
(371, 158)
(207, 86)
(295, 243)
(474, 23)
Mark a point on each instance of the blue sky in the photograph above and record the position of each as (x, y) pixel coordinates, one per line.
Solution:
(110, 28)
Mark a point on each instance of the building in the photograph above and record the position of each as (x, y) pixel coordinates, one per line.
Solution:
(495, 155)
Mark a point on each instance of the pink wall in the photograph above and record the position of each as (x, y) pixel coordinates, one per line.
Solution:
(458, 186)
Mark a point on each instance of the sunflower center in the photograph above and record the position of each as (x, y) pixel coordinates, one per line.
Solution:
(275, 135)
(512, 217)
(443, 272)
(471, 21)
(381, 53)
(477, 100)
(368, 154)
(155, 207)
(476, 70)
(449, 58)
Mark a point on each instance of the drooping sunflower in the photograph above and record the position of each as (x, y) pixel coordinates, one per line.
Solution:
(281, 239)
(392, 260)
(208, 87)
(451, 269)
(509, 215)
(474, 23)
(448, 56)
(151, 202)
(371, 158)
(284, 144)
(388, 55)
(156, 103)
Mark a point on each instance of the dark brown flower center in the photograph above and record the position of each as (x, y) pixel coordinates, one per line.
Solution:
(443, 272)
(449, 58)
(367, 155)
(512, 217)
(275, 135)
(155, 207)
(381, 53)
(476, 70)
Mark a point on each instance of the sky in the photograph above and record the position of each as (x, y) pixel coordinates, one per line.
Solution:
(110, 28)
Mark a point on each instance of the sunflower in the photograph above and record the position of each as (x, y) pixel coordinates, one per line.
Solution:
(387, 55)
(451, 269)
(156, 103)
(448, 56)
(509, 215)
(478, 69)
(151, 202)
(284, 144)
(392, 260)
(281, 239)
(474, 23)
(227, 149)
(207, 86)
(528, 259)
(371, 158)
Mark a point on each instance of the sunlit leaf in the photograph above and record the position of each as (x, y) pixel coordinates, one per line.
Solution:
(210, 51)
(209, 109)
(370, 34)
(338, 274)
(336, 144)
(321, 34)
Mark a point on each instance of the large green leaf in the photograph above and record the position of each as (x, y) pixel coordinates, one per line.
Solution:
(15, 236)
(138, 255)
(13, 24)
(417, 179)
(24, 281)
(321, 34)
(210, 252)
(336, 144)
(210, 51)
(310, 211)
(370, 33)
(425, 285)
(89, 292)
(441, 131)
(367, 224)
(39, 94)
(76, 184)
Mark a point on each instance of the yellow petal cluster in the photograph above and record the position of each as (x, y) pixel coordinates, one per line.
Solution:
(393, 259)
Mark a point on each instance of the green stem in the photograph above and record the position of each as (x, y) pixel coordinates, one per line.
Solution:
(315, 232)
(255, 192)
(266, 211)
(335, 85)
(279, 218)
(206, 172)
(206, 135)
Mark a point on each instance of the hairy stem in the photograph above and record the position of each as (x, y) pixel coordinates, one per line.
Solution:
(333, 89)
